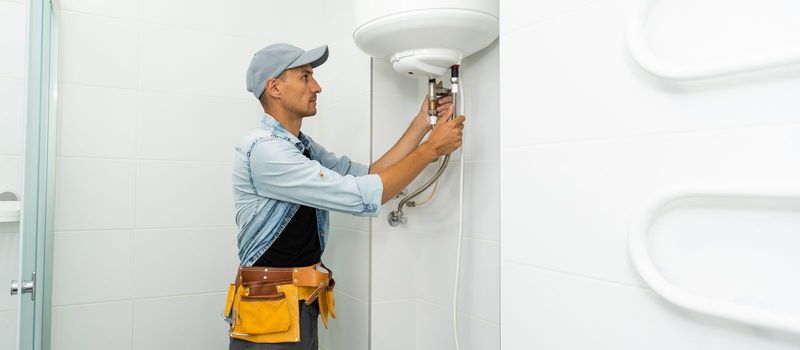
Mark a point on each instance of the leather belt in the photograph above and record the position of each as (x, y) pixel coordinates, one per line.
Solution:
(270, 277)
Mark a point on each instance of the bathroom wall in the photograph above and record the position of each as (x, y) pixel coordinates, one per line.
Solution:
(413, 265)
(152, 99)
(588, 136)
(13, 25)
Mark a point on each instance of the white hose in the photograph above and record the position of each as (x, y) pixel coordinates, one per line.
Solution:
(460, 226)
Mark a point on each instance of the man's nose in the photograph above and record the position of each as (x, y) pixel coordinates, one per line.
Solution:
(315, 87)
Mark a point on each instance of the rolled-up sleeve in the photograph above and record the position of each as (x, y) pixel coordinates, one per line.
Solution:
(342, 165)
(281, 172)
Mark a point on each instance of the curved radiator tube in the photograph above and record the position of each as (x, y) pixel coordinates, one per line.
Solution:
(396, 217)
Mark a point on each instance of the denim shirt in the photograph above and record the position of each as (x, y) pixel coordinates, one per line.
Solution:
(272, 178)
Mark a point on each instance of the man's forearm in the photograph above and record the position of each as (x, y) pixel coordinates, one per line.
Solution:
(404, 146)
(397, 176)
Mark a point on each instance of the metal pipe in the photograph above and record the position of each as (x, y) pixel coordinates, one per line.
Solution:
(397, 217)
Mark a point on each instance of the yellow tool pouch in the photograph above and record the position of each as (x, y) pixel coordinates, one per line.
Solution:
(262, 307)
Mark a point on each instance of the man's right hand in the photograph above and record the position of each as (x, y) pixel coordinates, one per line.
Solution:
(446, 135)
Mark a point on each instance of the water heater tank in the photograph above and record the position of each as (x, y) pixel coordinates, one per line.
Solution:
(424, 38)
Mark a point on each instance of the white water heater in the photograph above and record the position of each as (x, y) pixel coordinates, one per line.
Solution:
(424, 38)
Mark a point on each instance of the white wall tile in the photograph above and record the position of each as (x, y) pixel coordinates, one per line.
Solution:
(92, 266)
(435, 268)
(12, 118)
(568, 206)
(480, 93)
(393, 325)
(350, 328)
(345, 128)
(193, 62)
(8, 330)
(291, 21)
(346, 73)
(11, 176)
(183, 195)
(386, 81)
(479, 280)
(128, 9)
(582, 84)
(481, 200)
(185, 127)
(98, 51)
(96, 121)
(347, 254)
(206, 259)
(679, 31)
(435, 330)
(349, 221)
(13, 23)
(568, 312)
(737, 250)
(392, 114)
(188, 322)
(9, 269)
(440, 217)
(394, 256)
(518, 14)
(92, 327)
(94, 194)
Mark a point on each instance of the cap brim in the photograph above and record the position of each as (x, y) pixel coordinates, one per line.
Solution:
(315, 57)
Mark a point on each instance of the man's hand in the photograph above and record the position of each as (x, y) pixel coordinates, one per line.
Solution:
(444, 110)
(446, 136)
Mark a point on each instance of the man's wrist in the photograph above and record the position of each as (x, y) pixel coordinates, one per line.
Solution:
(427, 152)
(421, 123)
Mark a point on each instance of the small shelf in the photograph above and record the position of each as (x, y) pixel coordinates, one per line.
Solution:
(9, 211)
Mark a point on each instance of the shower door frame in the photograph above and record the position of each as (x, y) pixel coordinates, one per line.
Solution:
(36, 230)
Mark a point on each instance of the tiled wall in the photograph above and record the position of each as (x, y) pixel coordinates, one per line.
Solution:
(152, 99)
(413, 265)
(588, 136)
(13, 25)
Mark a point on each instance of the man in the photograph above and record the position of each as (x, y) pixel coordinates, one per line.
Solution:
(284, 186)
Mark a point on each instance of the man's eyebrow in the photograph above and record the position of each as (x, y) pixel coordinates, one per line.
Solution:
(311, 72)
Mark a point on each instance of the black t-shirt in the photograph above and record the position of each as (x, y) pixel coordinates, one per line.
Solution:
(298, 244)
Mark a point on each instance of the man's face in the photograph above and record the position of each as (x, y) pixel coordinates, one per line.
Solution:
(299, 91)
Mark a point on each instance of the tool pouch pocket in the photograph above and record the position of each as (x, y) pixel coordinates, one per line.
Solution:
(261, 309)
(229, 302)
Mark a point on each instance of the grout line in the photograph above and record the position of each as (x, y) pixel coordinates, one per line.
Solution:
(133, 300)
(179, 161)
(11, 77)
(650, 136)
(351, 296)
(391, 301)
(571, 274)
(166, 92)
(422, 234)
(549, 19)
(168, 25)
(137, 138)
(370, 221)
(350, 229)
(424, 301)
(134, 228)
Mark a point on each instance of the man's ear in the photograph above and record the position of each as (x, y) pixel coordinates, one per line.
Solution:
(272, 88)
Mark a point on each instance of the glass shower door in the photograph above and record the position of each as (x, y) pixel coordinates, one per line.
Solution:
(27, 144)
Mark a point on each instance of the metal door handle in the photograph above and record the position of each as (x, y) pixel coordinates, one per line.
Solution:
(27, 286)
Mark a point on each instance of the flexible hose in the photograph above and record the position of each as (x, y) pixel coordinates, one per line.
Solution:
(460, 226)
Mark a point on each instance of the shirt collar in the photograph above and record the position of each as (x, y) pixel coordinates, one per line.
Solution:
(301, 143)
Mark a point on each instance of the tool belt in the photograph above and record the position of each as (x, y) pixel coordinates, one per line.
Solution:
(262, 305)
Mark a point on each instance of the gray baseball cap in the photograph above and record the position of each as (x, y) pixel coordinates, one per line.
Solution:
(272, 60)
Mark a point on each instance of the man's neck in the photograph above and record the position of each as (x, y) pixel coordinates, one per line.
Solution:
(292, 122)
